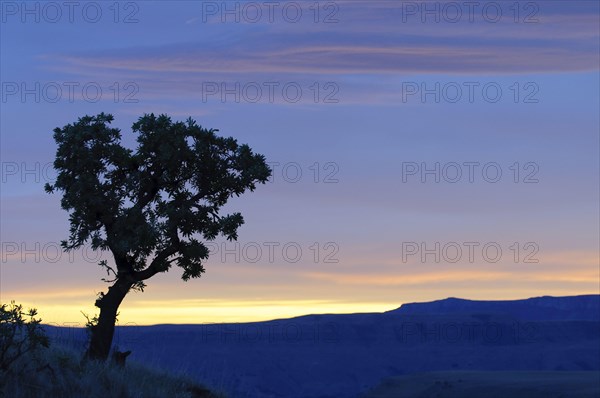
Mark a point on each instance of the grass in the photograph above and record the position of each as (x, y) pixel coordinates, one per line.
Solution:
(496, 384)
(59, 372)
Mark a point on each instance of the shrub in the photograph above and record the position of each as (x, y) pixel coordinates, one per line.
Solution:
(20, 334)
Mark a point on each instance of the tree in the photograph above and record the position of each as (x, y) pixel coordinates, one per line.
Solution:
(152, 207)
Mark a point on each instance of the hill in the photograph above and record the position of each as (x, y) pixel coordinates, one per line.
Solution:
(490, 385)
(59, 372)
(546, 308)
(343, 355)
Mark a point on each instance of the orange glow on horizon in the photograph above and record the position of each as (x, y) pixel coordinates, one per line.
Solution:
(200, 311)
(351, 290)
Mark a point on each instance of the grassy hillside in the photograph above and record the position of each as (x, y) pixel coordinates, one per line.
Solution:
(59, 372)
(498, 384)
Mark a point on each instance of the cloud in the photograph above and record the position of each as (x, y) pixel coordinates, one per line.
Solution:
(455, 277)
(347, 55)
(368, 39)
(368, 53)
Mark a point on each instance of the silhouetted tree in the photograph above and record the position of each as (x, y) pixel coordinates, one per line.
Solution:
(150, 207)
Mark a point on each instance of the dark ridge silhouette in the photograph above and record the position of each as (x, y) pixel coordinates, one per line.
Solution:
(546, 308)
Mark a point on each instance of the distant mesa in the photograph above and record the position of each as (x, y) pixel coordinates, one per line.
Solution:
(545, 308)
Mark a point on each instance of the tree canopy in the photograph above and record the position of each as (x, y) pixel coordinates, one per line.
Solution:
(152, 206)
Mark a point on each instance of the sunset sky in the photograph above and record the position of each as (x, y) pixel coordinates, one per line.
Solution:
(398, 132)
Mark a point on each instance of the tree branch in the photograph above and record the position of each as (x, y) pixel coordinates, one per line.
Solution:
(156, 265)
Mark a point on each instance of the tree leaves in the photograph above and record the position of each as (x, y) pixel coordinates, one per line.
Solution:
(153, 203)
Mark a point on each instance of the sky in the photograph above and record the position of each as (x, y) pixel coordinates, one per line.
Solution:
(420, 150)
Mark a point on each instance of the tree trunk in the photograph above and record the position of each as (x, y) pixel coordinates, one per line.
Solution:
(103, 332)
